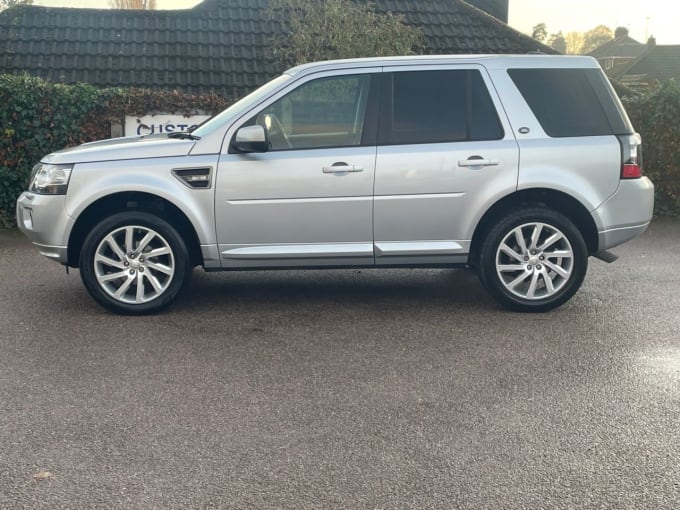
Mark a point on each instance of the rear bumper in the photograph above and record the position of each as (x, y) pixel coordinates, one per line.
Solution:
(626, 214)
(614, 237)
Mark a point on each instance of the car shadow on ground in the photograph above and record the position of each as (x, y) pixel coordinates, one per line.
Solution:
(394, 288)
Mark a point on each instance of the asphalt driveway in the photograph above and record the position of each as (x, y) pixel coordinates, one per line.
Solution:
(348, 389)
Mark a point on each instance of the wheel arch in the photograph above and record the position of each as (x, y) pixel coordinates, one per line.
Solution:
(130, 201)
(542, 197)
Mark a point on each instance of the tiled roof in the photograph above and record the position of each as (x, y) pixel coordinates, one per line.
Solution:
(497, 8)
(624, 46)
(219, 45)
(454, 26)
(660, 63)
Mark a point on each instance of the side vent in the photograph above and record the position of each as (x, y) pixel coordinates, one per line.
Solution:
(196, 178)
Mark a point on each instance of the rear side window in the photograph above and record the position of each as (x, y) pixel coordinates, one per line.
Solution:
(437, 106)
(563, 100)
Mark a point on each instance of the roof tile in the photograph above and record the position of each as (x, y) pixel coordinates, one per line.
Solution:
(218, 45)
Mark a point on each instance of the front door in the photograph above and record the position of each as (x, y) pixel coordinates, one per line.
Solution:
(308, 200)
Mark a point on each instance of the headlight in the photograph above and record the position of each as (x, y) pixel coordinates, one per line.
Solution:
(49, 179)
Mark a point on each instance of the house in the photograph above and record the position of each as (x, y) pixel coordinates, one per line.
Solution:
(658, 64)
(635, 65)
(620, 51)
(219, 45)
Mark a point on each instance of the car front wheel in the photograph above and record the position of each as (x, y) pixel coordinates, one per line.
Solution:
(533, 260)
(134, 263)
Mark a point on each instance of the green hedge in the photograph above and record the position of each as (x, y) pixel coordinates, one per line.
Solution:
(656, 116)
(38, 117)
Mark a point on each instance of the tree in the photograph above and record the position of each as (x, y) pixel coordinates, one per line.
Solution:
(134, 4)
(582, 43)
(329, 29)
(574, 42)
(6, 4)
(595, 38)
(540, 32)
(558, 42)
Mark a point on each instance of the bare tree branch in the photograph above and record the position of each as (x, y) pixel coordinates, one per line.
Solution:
(146, 5)
(6, 4)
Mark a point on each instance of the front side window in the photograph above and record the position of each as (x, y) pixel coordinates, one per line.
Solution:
(438, 106)
(327, 112)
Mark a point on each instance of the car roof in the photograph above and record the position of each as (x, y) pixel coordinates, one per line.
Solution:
(536, 60)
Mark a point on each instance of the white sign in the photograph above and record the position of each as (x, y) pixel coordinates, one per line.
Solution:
(156, 124)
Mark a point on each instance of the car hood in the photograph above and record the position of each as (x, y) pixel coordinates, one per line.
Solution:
(137, 147)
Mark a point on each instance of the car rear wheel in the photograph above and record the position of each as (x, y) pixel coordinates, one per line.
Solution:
(533, 260)
(134, 263)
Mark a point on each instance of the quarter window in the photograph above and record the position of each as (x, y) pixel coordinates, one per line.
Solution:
(438, 106)
(328, 112)
(563, 100)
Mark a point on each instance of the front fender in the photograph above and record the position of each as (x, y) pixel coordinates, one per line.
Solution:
(93, 181)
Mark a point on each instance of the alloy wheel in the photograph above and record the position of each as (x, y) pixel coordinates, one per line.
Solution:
(134, 264)
(534, 261)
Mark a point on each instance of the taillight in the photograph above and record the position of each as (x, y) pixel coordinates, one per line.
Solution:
(631, 156)
(631, 171)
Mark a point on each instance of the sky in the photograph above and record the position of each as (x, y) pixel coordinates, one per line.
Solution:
(643, 18)
(104, 4)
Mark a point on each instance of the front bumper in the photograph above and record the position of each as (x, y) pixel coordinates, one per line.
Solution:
(626, 214)
(43, 219)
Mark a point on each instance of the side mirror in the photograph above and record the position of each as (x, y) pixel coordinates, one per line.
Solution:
(251, 139)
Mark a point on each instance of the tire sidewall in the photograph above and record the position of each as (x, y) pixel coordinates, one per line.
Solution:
(137, 218)
(503, 227)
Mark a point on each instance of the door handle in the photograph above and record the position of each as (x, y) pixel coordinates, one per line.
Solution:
(477, 161)
(341, 168)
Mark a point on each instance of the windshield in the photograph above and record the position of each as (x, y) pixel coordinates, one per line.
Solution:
(241, 105)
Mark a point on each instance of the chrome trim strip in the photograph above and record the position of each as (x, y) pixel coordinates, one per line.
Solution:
(297, 200)
(422, 196)
(391, 248)
(300, 251)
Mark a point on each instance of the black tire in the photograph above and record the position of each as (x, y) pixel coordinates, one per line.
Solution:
(147, 278)
(541, 279)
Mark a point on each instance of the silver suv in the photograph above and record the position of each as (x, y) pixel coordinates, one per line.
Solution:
(520, 167)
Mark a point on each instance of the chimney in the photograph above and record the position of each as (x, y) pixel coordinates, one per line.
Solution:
(651, 42)
(620, 32)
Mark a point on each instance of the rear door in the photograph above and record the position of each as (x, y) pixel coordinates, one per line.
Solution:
(445, 153)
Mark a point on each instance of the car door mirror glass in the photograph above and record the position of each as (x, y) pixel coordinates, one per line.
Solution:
(251, 139)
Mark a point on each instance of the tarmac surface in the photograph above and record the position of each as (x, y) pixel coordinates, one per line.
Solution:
(371, 389)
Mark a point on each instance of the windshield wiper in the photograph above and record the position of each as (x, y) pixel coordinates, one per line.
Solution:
(183, 135)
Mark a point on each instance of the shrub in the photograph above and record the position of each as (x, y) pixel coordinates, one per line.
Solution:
(38, 117)
(314, 30)
(655, 116)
